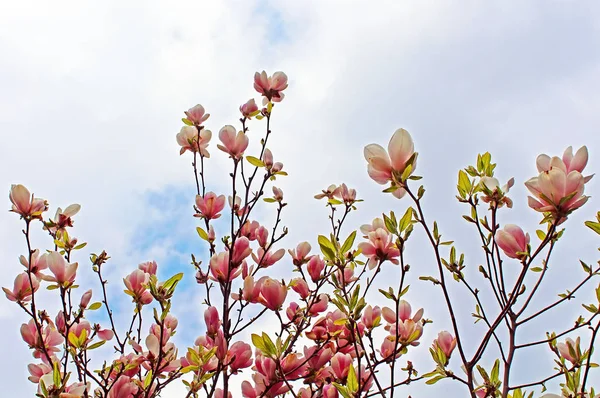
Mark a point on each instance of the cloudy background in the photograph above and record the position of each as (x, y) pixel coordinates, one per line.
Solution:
(91, 96)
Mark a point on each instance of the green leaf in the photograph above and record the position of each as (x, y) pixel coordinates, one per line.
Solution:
(94, 306)
(96, 345)
(434, 380)
(187, 122)
(540, 234)
(536, 269)
(406, 219)
(259, 343)
(202, 233)
(352, 382)
(56, 375)
(254, 161)
(594, 226)
(326, 247)
(270, 200)
(173, 281)
(495, 371)
(80, 246)
(269, 345)
(464, 184)
(148, 379)
(348, 242)
(73, 339)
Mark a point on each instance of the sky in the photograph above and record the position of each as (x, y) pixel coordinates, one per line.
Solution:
(92, 94)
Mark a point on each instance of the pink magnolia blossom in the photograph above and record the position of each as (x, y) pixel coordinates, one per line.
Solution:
(241, 250)
(299, 255)
(569, 345)
(38, 263)
(249, 229)
(212, 320)
(233, 144)
(266, 259)
(22, 291)
(37, 371)
(123, 387)
(105, 334)
(262, 236)
(137, 286)
(340, 364)
(513, 241)
(249, 109)
(294, 312)
(383, 168)
(197, 115)
(149, 267)
(49, 341)
(379, 248)
(559, 188)
(219, 268)
(219, 393)
(494, 193)
(24, 203)
(85, 299)
(277, 194)
(315, 267)
(270, 87)
(347, 195)
(300, 286)
(191, 140)
(62, 220)
(64, 273)
(446, 342)
(210, 205)
(371, 316)
(320, 306)
(239, 356)
(376, 224)
(329, 193)
(329, 391)
(272, 293)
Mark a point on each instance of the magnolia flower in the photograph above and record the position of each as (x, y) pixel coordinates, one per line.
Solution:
(383, 168)
(239, 356)
(191, 140)
(513, 241)
(210, 205)
(570, 350)
(446, 342)
(64, 273)
(249, 109)
(233, 144)
(371, 316)
(300, 254)
(272, 293)
(315, 267)
(558, 190)
(270, 87)
(379, 248)
(329, 193)
(197, 115)
(137, 284)
(25, 204)
(22, 291)
(494, 193)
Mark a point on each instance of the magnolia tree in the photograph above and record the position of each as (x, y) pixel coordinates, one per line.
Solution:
(327, 339)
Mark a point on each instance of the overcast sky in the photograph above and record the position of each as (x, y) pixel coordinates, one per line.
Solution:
(91, 96)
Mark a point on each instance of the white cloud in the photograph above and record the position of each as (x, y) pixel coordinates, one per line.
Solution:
(92, 95)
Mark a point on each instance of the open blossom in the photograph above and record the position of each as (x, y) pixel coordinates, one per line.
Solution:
(64, 273)
(570, 350)
(38, 263)
(219, 267)
(62, 219)
(24, 203)
(197, 115)
(329, 193)
(446, 342)
(37, 371)
(149, 267)
(49, 341)
(266, 259)
(299, 255)
(22, 288)
(347, 195)
(494, 193)
(383, 167)
(559, 188)
(239, 356)
(367, 228)
(270, 87)
(272, 293)
(233, 143)
(513, 241)
(210, 205)
(137, 286)
(409, 329)
(191, 140)
(379, 248)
